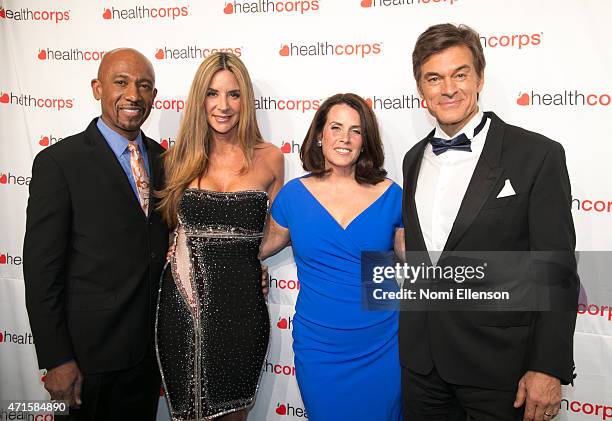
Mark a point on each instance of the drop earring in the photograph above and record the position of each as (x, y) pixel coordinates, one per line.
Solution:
(319, 143)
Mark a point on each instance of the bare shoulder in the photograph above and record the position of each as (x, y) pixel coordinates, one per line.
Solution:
(269, 153)
(383, 185)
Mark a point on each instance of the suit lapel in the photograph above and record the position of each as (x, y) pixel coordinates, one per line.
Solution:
(103, 157)
(413, 167)
(485, 177)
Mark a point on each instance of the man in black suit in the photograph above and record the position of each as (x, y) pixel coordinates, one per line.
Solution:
(94, 250)
(476, 183)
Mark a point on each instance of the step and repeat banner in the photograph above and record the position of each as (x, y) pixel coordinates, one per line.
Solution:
(549, 69)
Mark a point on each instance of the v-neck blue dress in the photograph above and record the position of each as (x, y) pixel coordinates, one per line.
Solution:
(346, 358)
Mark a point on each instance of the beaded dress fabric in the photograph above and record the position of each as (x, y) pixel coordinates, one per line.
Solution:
(212, 324)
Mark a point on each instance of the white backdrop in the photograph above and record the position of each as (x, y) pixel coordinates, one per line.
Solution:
(549, 70)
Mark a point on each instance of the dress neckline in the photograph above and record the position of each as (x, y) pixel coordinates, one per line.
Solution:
(225, 192)
(383, 194)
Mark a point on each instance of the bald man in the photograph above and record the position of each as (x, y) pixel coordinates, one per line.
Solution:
(94, 250)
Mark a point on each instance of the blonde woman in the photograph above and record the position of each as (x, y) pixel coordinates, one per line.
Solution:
(212, 323)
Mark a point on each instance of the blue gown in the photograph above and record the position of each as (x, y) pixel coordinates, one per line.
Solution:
(346, 358)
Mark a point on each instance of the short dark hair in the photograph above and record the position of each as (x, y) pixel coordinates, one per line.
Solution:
(438, 38)
(369, 167)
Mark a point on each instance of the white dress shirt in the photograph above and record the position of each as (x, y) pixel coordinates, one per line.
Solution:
(442, 182)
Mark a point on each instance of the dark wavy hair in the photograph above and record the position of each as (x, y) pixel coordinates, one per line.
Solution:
(369, 166)
(438, 38)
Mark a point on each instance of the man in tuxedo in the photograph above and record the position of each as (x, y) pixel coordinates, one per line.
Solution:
(476, 183)
(94, 250)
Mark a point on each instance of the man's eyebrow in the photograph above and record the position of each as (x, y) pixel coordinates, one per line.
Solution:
(464, 67)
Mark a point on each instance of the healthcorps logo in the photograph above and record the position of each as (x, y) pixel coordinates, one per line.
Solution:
(518, 41)
(169, 104)
(324, 48)
(564, 98)
(267, 6)
(73, 54)
(592, 205)
(10, 178)
(262, 103)
(7, 259)
(401, 102)
(595, 310)
(285, 323)
(302, 105)
(16, 338)
(166, 142)
(193, 51)
(54, 16)
(289, 146)
(599, 411)
(279, 369)
(144, 12)
(288, 284)
(389, 3)
(48, 140)
(27, 100)
(285, 408)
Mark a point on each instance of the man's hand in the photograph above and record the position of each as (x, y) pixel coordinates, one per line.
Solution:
(64, 383)
(265, 288)
(541, 395)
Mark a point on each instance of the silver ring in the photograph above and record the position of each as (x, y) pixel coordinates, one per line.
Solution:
(547, 414)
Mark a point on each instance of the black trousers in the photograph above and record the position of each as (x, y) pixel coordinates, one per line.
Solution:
(131, 394)
(429, 398)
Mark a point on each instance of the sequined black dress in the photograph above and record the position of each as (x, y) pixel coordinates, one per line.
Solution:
(212, 324)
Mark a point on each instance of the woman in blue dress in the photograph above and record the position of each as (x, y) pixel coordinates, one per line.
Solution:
(346, 358)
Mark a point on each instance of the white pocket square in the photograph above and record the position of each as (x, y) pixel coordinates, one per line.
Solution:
(507, 190)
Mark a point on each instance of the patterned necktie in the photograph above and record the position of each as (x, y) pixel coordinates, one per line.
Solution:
(141, 178)
(458, 143)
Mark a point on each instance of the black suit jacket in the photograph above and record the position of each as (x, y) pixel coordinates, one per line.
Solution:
(494, 349)
(92, 259)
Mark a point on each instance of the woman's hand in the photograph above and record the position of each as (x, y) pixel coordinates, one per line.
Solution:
(171, 251)
(265, 286)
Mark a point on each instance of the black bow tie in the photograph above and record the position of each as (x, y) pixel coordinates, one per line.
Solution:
(459, 143)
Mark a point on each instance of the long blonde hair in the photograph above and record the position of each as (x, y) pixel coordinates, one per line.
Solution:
(189, 158)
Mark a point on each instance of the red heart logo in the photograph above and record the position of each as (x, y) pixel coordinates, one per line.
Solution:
(106, 14)
(4, 99)
(44, 141)
(282, 323)
(2, 261)
(366, 3)
(2, 14)
(42, 54)
(159, 54)
(228, 9)
(164, 143)
(281, 409)
(284, 51)
(161, 391)
(523, 99)
(3, 179)
(369, 102)
(43, 378)
(286, 148)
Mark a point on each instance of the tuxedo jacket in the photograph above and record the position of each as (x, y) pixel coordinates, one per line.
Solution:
(494, 349)
(92, 259)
